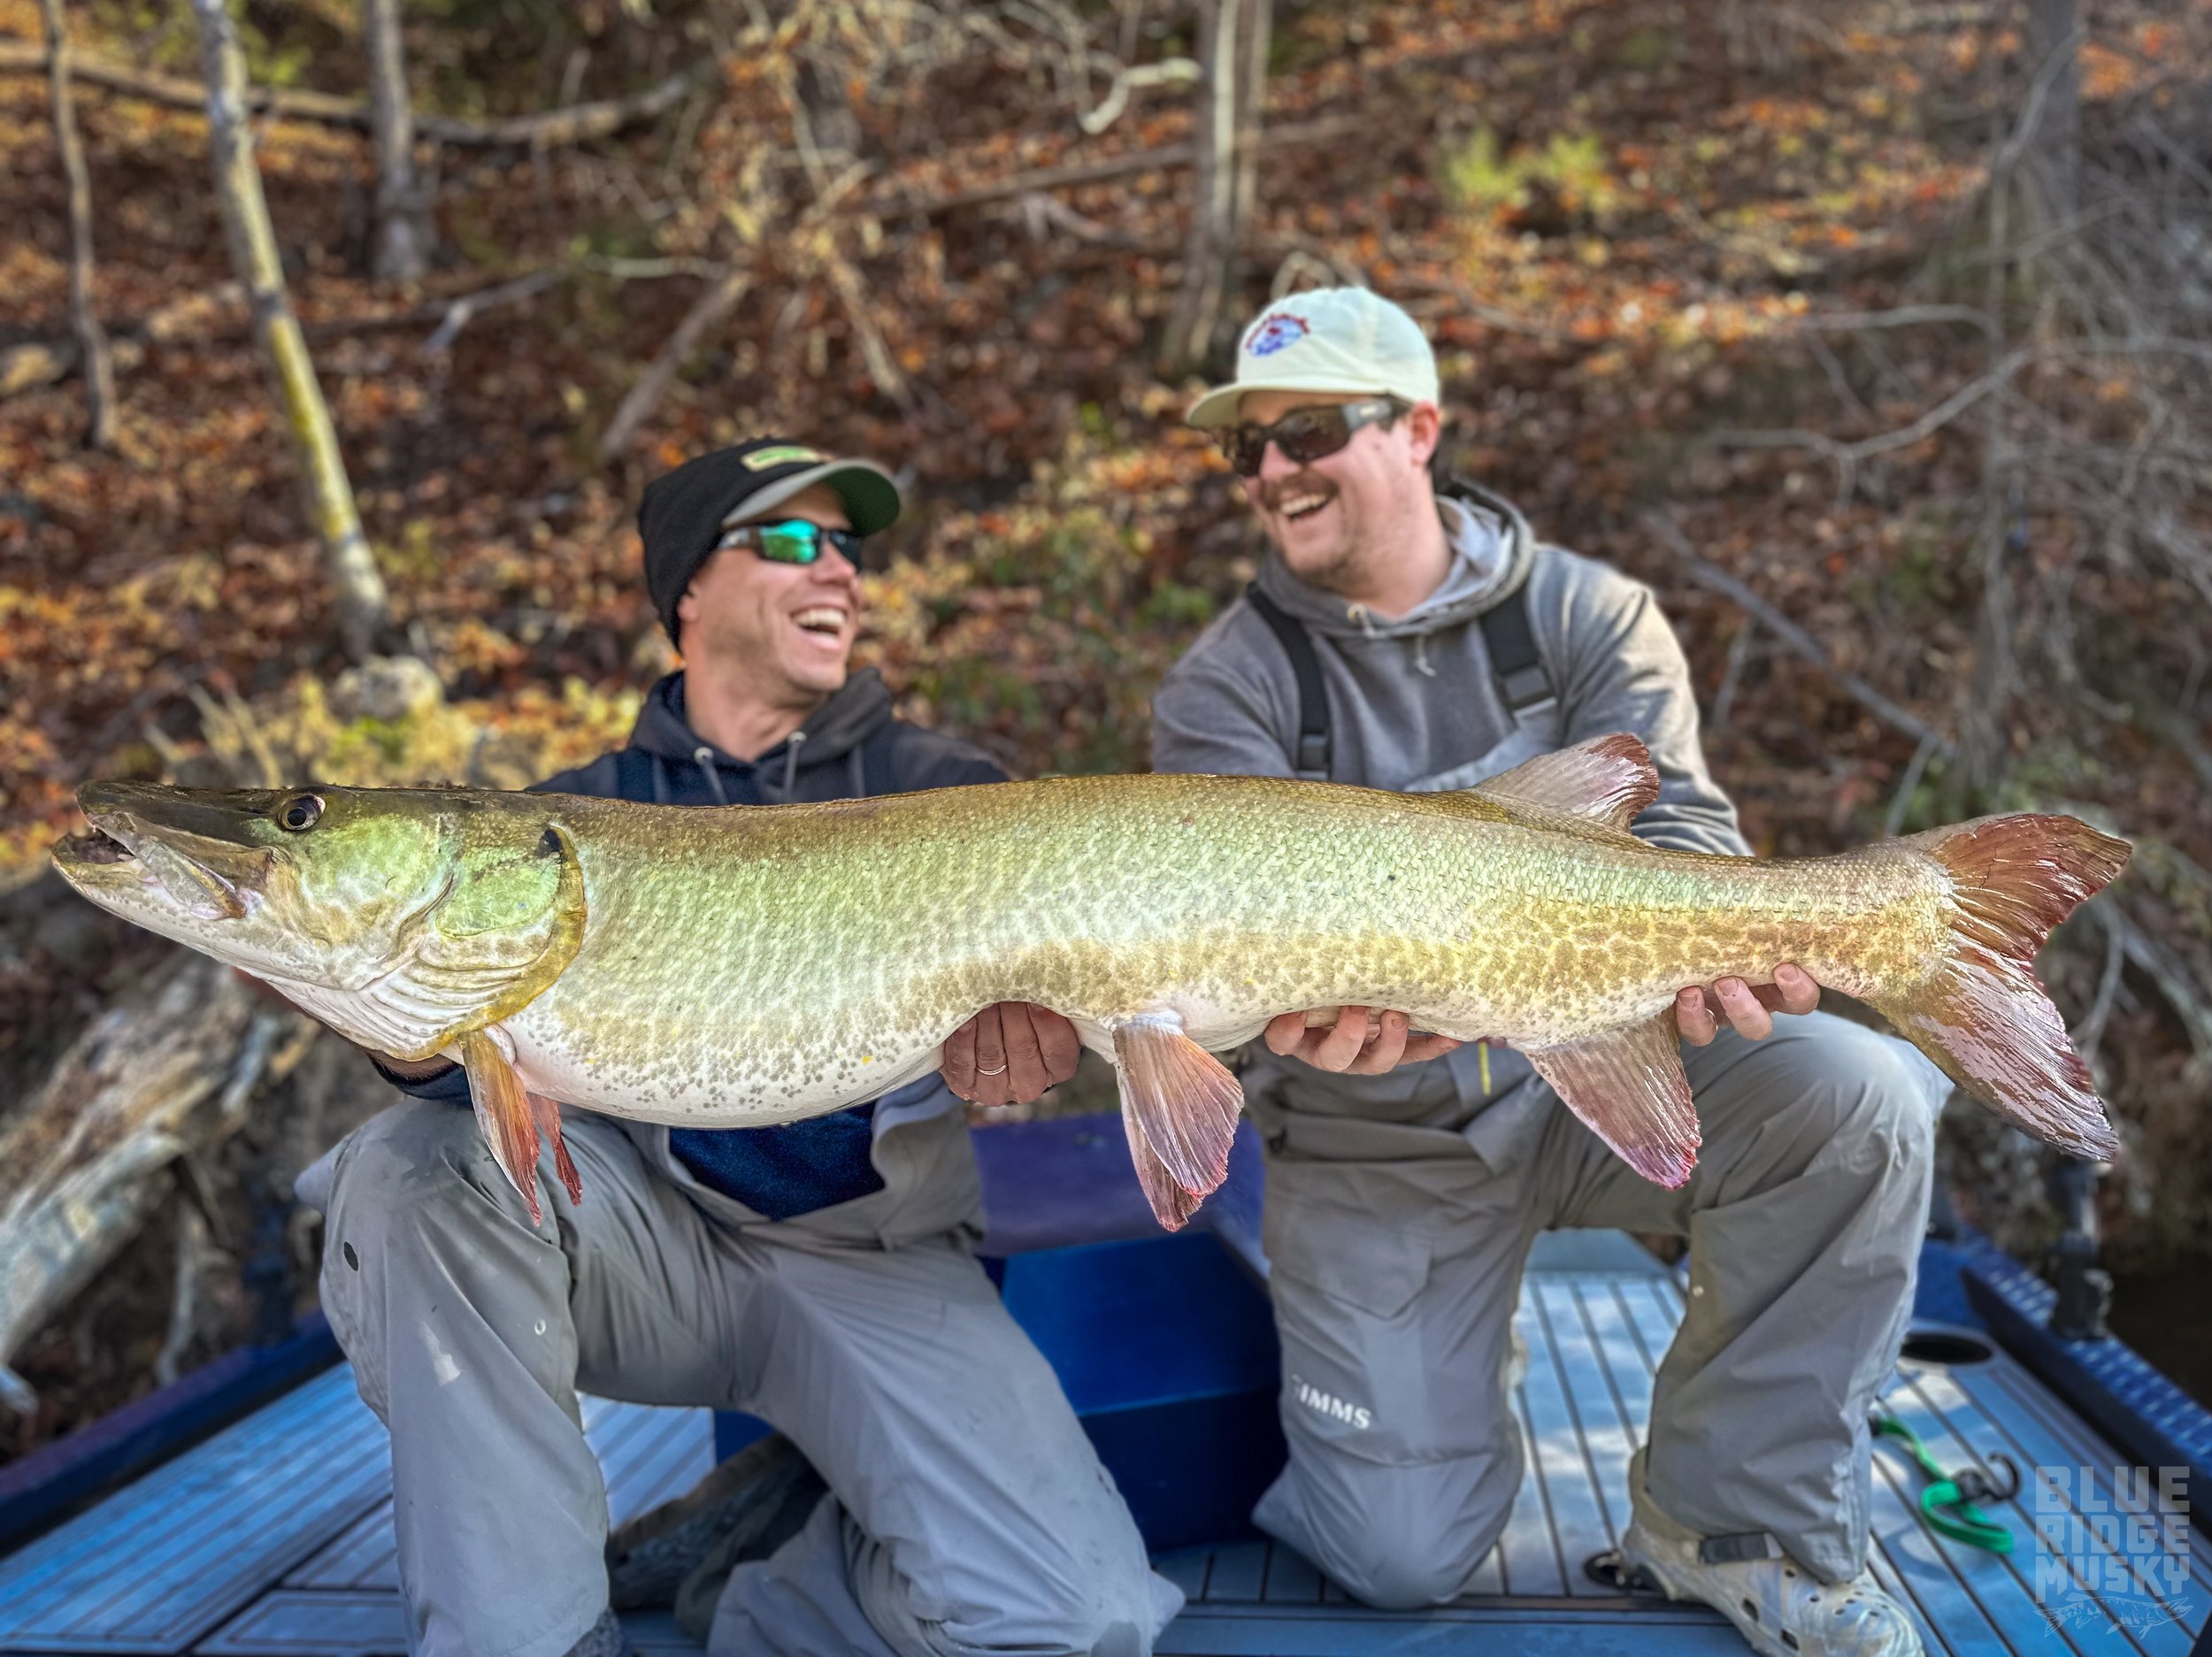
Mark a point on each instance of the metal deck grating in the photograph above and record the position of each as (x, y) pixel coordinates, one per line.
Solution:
(275, 1536)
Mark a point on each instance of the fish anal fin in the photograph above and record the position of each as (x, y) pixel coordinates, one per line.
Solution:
(1607, 779)
(1628, 1087)
(546, 1114)
(505, 1115)
(1171, 1205)
(1179, 1106)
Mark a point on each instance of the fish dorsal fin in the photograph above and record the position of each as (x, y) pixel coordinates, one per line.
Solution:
(1179, 1106)
(1608, 779)
(1628, 1087)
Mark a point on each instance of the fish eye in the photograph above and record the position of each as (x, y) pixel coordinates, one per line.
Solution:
(300, 813)
(549, 844)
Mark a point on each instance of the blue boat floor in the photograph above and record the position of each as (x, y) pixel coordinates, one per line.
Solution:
(275, 1535)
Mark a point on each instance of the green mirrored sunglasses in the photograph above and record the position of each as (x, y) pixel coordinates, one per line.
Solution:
(794, 540)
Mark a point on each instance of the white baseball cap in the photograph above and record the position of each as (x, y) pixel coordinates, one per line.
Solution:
(1330, 339)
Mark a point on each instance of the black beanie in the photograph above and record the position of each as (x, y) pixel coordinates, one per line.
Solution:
(684, 512)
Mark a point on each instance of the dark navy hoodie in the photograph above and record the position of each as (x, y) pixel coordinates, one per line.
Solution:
(850, 747)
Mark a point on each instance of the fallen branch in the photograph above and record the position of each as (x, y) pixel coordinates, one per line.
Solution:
(78, 1164)
(709, 309)
(1847, 455)
(1789, 633)
(460, 313)
(1166, 156)
(2169, 971)
(577, 124)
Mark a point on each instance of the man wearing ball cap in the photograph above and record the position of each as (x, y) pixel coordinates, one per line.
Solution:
(1410, 636)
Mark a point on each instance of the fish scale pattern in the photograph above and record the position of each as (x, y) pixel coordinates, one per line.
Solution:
(754, 965)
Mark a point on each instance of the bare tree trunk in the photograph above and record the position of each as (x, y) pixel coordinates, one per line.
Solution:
(92, 340)
(357, 589)
(1984, 732)
(1233, 62)
(403, 234)
(2054, 55)
(549, 130)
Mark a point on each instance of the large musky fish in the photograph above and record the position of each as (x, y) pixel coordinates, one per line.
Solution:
(750, 965)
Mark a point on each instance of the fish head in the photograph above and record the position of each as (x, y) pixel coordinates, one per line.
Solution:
(403, 918)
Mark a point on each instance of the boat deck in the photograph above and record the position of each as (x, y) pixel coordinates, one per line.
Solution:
(275, 1535)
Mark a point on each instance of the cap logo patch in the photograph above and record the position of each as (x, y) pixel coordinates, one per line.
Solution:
(783, 455)
(1275, 332)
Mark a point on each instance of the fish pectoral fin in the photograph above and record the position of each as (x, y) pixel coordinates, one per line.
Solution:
(1608, 779)
(505, 1115)
(1179, 1107)
(1628, 1087)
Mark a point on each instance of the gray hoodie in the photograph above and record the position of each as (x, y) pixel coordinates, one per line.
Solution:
(1413, 706)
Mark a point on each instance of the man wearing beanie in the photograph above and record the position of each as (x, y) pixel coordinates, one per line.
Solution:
(1407, 635)
(815, 1274)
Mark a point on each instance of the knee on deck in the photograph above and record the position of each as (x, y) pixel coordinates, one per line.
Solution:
(1415, 1539)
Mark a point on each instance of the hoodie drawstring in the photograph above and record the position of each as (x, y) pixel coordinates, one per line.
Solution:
(1421, 664)
(703, 757)
(660, 780)
(791, 761)
(1358, 613)
(859, 771)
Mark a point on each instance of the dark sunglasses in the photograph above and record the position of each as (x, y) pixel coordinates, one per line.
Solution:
(1305, 434)
(794, 540)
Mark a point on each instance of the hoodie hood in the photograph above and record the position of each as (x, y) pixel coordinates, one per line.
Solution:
(1492, 549)
(832, 735)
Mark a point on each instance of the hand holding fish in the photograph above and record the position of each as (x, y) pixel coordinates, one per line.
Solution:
(1354, 1040)
(1746, 1006)
(1368, 1040)
(1009, 1054)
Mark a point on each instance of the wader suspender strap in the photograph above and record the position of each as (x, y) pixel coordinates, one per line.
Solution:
(1514, 661)
(1311, 757)
(1513, 658)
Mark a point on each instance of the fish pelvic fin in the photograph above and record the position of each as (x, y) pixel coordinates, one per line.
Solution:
(1982, 1016)
(505, 1116)
(1179, 1106)
(1607, 779)
(1629, 1089)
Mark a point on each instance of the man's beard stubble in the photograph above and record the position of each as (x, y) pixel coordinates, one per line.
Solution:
(1338, 570)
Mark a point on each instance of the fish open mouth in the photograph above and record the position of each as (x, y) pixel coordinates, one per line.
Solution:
(119, 854)
(92, 847)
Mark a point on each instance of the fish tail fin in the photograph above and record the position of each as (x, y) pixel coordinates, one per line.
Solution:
(1981, 1015)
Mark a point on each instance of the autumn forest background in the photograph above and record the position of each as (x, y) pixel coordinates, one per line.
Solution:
(1876, 336)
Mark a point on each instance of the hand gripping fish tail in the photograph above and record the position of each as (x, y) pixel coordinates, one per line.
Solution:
(747, 965)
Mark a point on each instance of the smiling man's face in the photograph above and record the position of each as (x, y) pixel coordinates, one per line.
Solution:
(785, 629)
(1331, 518)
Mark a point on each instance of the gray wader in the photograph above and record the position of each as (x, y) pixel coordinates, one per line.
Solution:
(1396, 1254)
(968, 1512)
